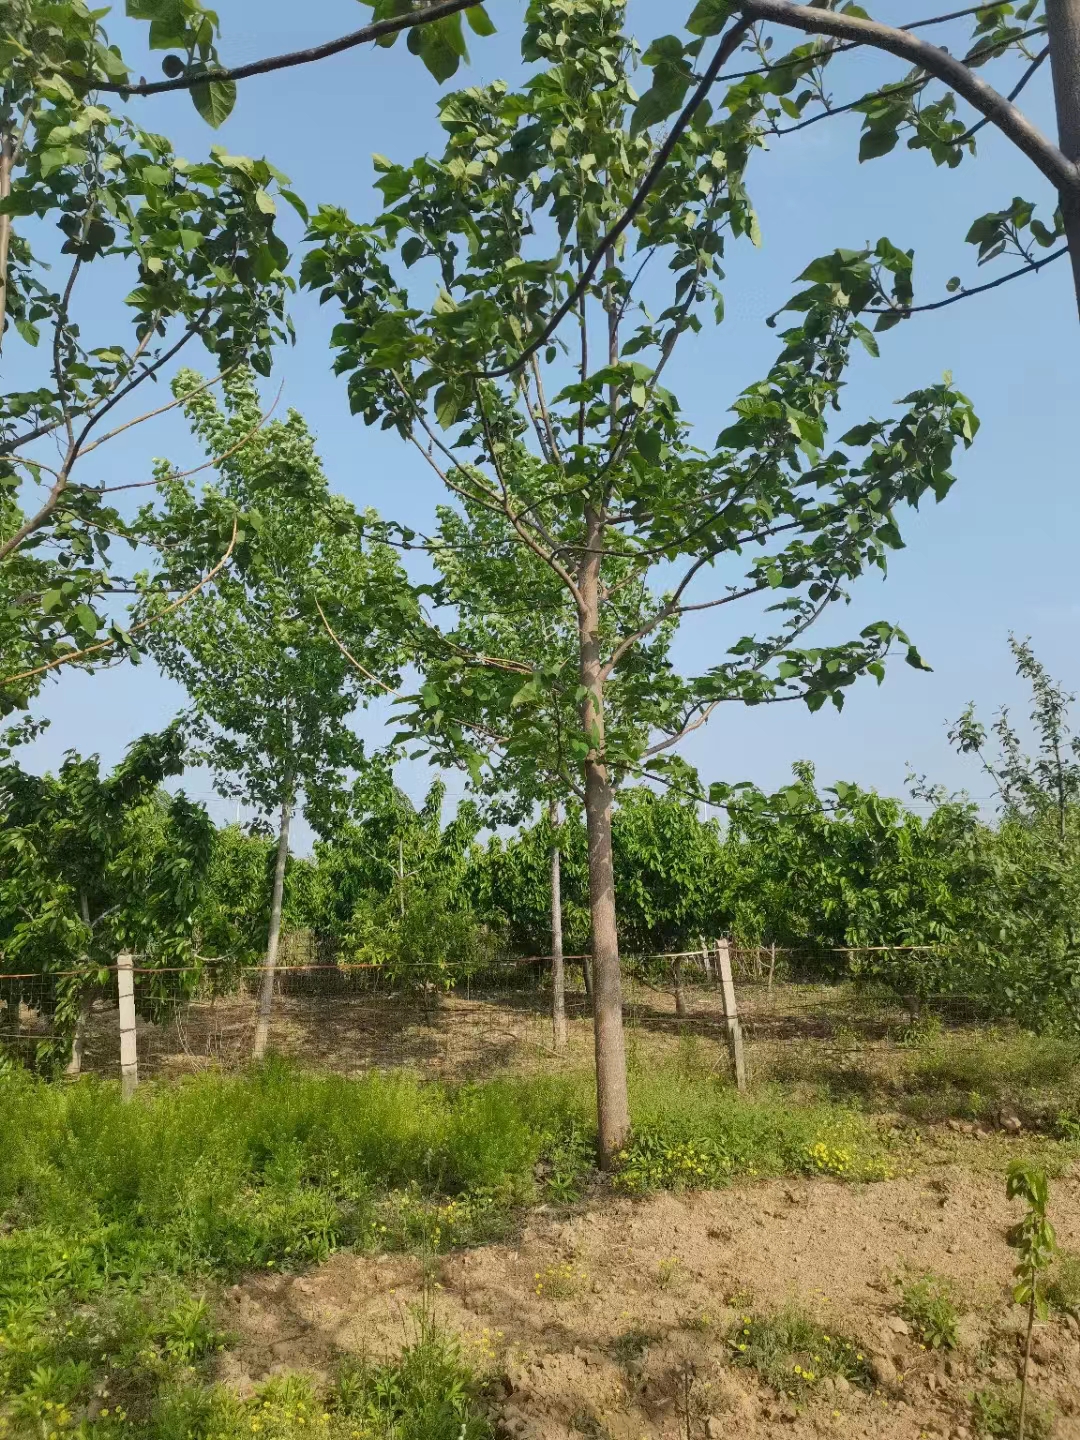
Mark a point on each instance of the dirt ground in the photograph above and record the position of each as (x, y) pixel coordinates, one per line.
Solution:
(612, 1321)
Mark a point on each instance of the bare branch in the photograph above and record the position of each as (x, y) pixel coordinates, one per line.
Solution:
(966, 292)
(207, 464)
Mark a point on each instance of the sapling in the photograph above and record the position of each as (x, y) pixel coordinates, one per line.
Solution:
(1034, 1241)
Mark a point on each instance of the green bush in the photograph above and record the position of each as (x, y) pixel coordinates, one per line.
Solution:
(793, 1353)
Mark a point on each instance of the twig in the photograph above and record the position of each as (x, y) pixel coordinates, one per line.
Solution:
(964, 293)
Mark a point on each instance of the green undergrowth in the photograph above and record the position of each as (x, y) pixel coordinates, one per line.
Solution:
(936, 1073)
(119, 1222)
(793, 1353)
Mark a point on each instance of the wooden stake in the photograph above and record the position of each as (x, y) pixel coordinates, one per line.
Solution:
(125, 989)
(731, 1014)
(772, 966)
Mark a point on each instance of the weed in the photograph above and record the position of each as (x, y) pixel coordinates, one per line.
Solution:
(1063, 1291)
(792, 1353)
(668, 1272)
(928, 1303)
(631, 1345)
(429, 1393)
(995, 1414)
(559, 1282)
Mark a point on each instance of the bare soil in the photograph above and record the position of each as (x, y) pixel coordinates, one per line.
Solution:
(613, 1321)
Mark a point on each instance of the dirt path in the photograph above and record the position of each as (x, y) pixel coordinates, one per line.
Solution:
(613, 1323)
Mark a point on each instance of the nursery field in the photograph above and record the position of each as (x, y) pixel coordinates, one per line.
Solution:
(286, 1251)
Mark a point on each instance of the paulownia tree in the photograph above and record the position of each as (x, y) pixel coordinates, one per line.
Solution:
(619, 497)
(512, 612)
(271, 692)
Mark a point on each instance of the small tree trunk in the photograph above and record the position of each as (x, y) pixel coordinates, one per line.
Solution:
(1063, 33)
(558, 968)
(586, 975)
(1022, 1417)
(266, 993)
(612, 1100)
(78, 1038)
(680, 998)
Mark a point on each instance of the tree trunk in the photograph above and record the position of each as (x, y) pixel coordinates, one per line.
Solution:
(86, 995)
(612, 1101)
(558, 969)
(1063, 33)
(586, 975)
(266, 993)
(680, 998)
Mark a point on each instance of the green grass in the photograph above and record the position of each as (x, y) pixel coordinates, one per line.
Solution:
(928, 1303)
(995, 1413)
(119, 1221)
(793, 1353)
(1063, 1291)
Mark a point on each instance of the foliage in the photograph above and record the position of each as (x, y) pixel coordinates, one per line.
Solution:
(995, 1412)
(428, 1393)
(1063, 1288)
(928, 1303)
(96, 865)
(271, 691)
(792, 1352)
(194, 248)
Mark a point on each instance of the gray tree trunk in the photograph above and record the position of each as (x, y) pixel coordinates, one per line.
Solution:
(612, 1101)
(1063, 33)
(266, 992)
(558, 968)
(86, 995)
(680, 998)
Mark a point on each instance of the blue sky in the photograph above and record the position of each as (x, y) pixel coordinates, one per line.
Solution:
(998, 555)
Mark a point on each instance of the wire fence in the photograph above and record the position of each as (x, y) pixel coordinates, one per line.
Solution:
(352, 1019)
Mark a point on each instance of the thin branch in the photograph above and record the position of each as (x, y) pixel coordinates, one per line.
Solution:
(367, 33)
(1062, 172)
(207, 464)
(350, 657)
(727, 47)
(142, 624)
(1013, 93)
(965, 293)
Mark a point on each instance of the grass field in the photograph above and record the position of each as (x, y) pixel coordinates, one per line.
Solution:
(122, 1226)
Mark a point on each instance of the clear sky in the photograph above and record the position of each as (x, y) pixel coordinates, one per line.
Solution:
(998, 555)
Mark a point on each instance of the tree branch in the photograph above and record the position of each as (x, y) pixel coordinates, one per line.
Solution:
(727, 47)
(966, 292)
(142, 624)
(1062, 172)
(367, 33)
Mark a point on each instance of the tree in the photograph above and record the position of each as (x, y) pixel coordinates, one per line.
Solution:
(1028, 931)
(84, 191)
(272, 693)
(513, 613)
(393, 878)
(505, 223)
(92, 866)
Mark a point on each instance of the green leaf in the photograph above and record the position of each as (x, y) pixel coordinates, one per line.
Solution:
(709, 17)
(265, 202)
(480, 22)
(214, 100)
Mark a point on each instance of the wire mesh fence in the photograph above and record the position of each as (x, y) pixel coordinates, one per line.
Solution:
(352, 1019)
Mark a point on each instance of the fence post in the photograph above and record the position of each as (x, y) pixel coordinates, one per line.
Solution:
(125, 991)
(706, 962)
(772, 966)
(731, 1013)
